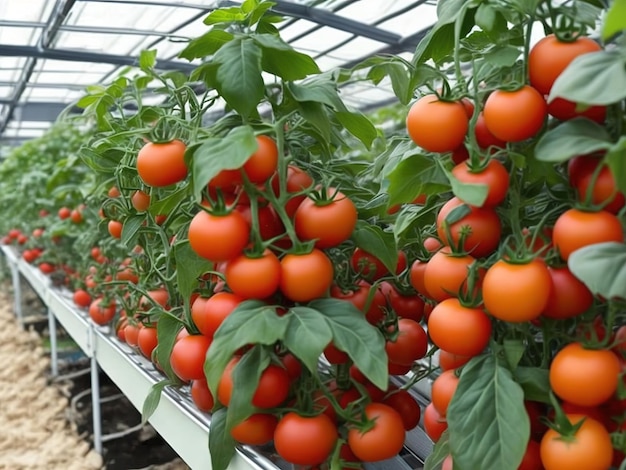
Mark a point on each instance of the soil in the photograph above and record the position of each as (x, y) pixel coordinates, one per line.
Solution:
(46, 421)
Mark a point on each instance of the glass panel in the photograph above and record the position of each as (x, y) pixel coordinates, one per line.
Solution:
(36, 10)
(118, 44)
(19, 36)
(320, 40)
(5, 91)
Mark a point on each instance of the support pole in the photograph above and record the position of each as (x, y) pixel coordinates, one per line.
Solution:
(95, 404)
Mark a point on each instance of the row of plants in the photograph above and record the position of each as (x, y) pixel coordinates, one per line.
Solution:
(281, 255)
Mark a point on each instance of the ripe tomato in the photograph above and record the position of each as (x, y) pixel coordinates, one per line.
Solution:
(46, 268)
(482, 223)
(188, 355)
(432, 244)
(263, 162)
(305, 277)
(298, 180)
(569, 297)
(292, 365)
(256, 430)
(115, 228)
(484, 138)
(565, 110)
(449, 361)
(434, 423)
(549, 57)
(270, 225)
(459, 330)
(407, 407)
(159, 296)
(443, 390)
(131, 334)
(584, 377)
(513, 116)
(417, 277)
(218, 237)
(76, 216)
(370, 267)
(516, 292)
(303, 440)
(253, 277)
(82, 298)
(445, 274)
(113, 192)
(405, 306)
(383, 440)
(162, 164)
(359, 296)
(575, 229)
(102, 313)
(140, 201)
(532, 457)
(328, 223)
(201, 395)
(495, 176)
(209, 313)
(437, 126)
(410, 344)
(147, 340)
(64, 213)
(590, 447)
(604, 190)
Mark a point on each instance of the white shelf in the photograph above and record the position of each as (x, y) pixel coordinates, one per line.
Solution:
(38, 281)
(76, 323)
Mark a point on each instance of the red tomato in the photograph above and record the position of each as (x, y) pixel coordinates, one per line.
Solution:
(64, 213)
(495, 176)
(263, 162)
(303, 440)
(188, 355)
(209, 313)
(147, 340)
(218, 237)
(305, 277)
(514, 116)
(581, 171)
(484, 138)
(405, 306)
(565, 110)
(410, 344)
(417, 277)
(334, 355)
(253, 277)
(445, 274)
(359, 297)
(383, 440)
(443, 389)
(162, 164)
(449, 361)
(102, 313)
(140, 201)
(532, 457)
(201, 395)
(407, 407)
(434, 423)
(115, 228)
(256, 430)
(568, 297)
(370, 267)
(131, 334)
(82, 298)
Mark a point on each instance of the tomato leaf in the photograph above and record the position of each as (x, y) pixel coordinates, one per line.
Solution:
(130, 229)
(319, 89)
(189, 267)
(602, 268)
(615, 20)
(168, 327)
(535, 382)
(316, 115)
(206, 45)
(152, 400)
(579, 136)
(355, 336)
(307, 335)
(358, 125)
(280, 59)
(376, 241)
(169, 202)
(221, 442)
(238, 79)
(252, 322)
(246, 375)
(513, 352)
(470, 193)
(616, 158)
(596, 78)
(487, 422)
(415, 175)
(217, 154)
(225, 15)
(147, 59)
(440, 451)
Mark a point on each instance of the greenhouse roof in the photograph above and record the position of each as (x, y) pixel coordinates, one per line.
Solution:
(50, 50)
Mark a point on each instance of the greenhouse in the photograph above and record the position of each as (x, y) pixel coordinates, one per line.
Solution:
(313, 234)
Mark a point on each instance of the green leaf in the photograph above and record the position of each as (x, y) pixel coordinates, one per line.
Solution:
(319, 89)
(246, 375)
(615, 20)
(487, 422)
(355, 336)
(221, 443)
(616, 159)
(501, 57)
(535, 382)
(415, 175)
(470, 193)
(579, 136)
(439, 453)
(168, 327)
(152, 400)
(206, 45)
(358, 125)
(485, 17)
(130, 229)
(307, 335)
(374, 240)
(252, 322)
(147, 59)
(596, 78)
(225, 15)
(602, 268)
(223, 153)
(168, 203)
(316, 115)
(514, 350)
(189, 267)
(238, 79)
(280, 59)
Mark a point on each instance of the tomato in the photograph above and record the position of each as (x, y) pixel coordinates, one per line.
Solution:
(459, 154)
(581, 171)
(516, 292)
(436, 125)
(159, 296)
(82, 298)
(569, 297)
(162, 164)
(292, 365)
(46, 268)
(188, 355)
(201, 395)
(218, 237)
(449, 361)
(209, 313)
(131, 334)
(513, 116)
(532, 457)
(445, 274)
(253, 277)
(575, 229)
(565, 110)
(64, 213)
(536, 413)
(459, 330)
(443, 389)
(147, 340)
(140, 201)
(407, 407)
(434, 423)
(100, 312)
(482, 223)
(383, 440)
(270, 225)
(76, 216)
(495, 176)
(549, 57)
(256, 430)
(263, 162)
(591, 411)
(589, 448)
(584, 377)
(297, 181)
(410, 344)
(359, 297)
(306, 276)
(417, 275)
(115, 228)
(113, 192)
(398, 369)
(432, 244)
(372, 268)
(328, 223)
(334, 355)
(405, 306)
(303, 440)
(484, 138)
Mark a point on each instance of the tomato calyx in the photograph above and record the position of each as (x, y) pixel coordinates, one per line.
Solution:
(164, 131)
(561, 424)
